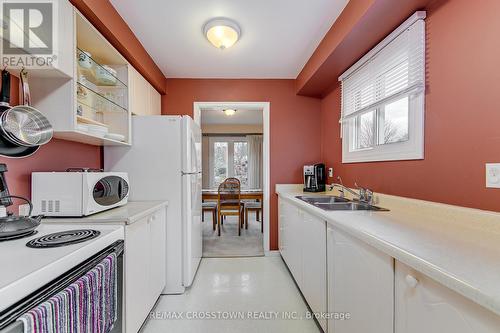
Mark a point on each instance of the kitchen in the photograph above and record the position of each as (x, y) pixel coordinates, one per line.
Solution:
(436, 244)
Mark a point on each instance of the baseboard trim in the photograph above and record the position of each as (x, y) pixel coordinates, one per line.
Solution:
(273, 253)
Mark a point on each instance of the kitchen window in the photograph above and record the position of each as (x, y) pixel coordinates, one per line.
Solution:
(228, 158)
(382, 113)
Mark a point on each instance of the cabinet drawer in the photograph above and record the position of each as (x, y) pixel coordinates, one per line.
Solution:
(423, 305)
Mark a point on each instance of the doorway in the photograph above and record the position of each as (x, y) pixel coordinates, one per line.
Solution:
(229, 147)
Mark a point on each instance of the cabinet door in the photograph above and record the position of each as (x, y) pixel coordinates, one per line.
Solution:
(155, 101)
(290, 238)
(283, 225)
(423, 305)
(360, 283)
(137, 274)
(314, 286)
(158, 253)
(294, 238)
(139, 98)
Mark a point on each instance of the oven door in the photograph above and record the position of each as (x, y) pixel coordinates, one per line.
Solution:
(105, 191)
(8, 322)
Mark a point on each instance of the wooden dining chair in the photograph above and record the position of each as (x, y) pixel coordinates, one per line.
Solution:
(229, 202)
(209, 206)
(255, 206)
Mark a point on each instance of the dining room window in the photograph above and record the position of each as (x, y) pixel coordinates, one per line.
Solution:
(228, 158)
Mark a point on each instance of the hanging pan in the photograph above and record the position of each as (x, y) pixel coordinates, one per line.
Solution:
(24, 125)
(7, 147)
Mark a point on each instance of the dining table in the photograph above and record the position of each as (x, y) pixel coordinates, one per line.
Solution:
(245, 194)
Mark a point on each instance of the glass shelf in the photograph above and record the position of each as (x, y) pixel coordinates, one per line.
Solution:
(97, 74)
(92, 101)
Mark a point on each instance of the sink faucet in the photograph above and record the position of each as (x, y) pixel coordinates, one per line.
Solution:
(364, 195)
(342, 188)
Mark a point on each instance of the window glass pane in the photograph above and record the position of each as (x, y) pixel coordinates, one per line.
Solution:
(365, 131)
(220, 162)
(394, 122)
(241, 162)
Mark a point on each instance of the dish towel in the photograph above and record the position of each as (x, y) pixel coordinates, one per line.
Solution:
(89, 305)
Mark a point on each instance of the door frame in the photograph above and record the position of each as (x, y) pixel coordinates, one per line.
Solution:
(266, 184)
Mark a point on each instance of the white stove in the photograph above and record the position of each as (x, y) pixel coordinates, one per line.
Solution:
(25, 269)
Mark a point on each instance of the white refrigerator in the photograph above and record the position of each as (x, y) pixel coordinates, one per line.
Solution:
(164, 163)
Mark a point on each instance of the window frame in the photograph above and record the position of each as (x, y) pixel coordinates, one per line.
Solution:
(230, 156)
(411, 149)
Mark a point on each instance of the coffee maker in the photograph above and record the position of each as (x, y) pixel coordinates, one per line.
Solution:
(314, 178)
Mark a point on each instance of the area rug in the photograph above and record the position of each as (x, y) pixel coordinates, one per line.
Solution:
(229, 244)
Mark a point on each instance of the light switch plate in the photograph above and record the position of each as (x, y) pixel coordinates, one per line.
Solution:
(493, 175)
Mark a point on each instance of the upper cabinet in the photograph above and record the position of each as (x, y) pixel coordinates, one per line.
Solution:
(92, 91)
(92, 105)
(144, 99)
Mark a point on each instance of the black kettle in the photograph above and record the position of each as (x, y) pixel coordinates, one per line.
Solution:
(14, 226)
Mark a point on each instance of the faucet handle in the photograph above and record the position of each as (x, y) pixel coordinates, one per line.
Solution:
(365, 194)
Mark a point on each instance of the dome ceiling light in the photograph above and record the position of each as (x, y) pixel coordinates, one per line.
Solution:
(229, 112)
(222, 32)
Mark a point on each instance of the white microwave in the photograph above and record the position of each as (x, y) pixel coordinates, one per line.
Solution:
(79, 193)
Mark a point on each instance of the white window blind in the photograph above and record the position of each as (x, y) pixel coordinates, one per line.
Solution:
(395, 70)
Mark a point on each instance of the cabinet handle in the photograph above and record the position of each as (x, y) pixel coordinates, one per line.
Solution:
(411, 281)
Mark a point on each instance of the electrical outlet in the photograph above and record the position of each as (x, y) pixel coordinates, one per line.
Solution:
(24, 210)
(330, 172)
(493, 175)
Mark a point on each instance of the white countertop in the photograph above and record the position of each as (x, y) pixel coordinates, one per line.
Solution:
(458, 247)
(24, 270)
(128, 214)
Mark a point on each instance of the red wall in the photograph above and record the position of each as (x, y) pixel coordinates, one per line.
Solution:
(462, 114)
(294, 123)
(57, 155)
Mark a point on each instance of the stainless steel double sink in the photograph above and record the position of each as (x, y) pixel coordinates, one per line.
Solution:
(327, 202)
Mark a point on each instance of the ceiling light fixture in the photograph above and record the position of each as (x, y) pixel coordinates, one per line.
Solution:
(222, 32)
(229, 112)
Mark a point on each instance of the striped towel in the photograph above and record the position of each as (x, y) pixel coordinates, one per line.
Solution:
(89, 305)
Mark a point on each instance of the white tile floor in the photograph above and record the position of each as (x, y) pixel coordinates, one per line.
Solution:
(235, 286)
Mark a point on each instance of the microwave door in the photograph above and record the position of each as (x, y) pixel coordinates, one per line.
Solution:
(110, 190)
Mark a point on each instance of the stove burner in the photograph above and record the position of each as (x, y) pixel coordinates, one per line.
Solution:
(27, 234)
(63, 238)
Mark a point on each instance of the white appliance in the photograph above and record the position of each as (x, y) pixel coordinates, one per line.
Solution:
(164, 163)
(77, 193)
(35, 274)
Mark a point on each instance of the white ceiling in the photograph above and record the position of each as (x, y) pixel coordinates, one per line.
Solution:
(215, 116)
(278, 36)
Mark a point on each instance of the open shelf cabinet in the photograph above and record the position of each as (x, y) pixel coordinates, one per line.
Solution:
(94, 101)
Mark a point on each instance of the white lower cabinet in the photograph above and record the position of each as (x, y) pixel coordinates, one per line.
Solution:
(144, 267)
(347, 278)
(290, 239)
(314, 285)
(360, 286)
(302, 244)
(423, 305)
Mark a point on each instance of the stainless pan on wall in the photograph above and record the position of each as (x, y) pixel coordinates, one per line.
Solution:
(23, 129)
